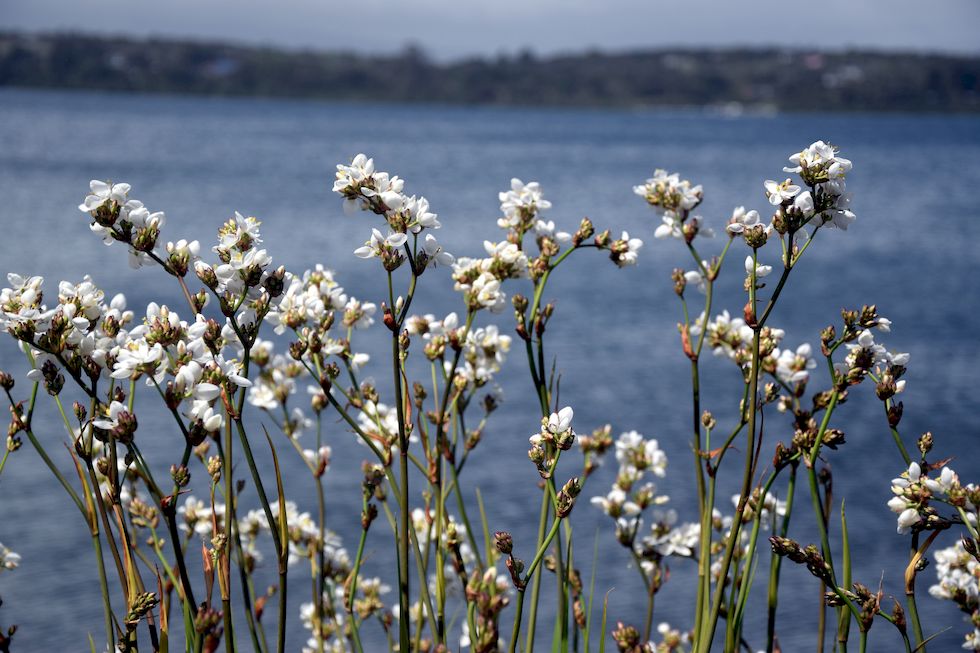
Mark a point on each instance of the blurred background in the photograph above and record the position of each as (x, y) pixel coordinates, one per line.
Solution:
(208, 108)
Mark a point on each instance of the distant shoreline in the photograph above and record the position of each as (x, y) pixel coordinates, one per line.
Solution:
(722, 81)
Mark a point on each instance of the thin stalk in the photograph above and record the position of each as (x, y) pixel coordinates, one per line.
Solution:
(735, 620)
(97, 545)
(844, 616)
(910, 597)
(516, 631)
(404, 586)
(708, 630)
(536, 581)
(775, 564)
(248, 594)
(225, 560)
(650, 589)
(267, 509)
(355, 571)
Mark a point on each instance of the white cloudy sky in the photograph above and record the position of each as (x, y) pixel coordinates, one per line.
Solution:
(455, 28)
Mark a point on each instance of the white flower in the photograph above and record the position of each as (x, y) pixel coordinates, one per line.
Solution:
(103, 191)
(378, 242)
(486, 292)
(616, 504)
(624, 250)
(667, 192)
(211, 421)
(742, 220)
(779, 192)
(561, 421)
(947, 478)
(760, 270)
(793, 367)
(521, 202)
(636, 452)
(804, 203)
(671, 227)
(906, 519)
(543, 228)
(9, 559)
(693, 277)
(819, 157)
(110, 421)
(434, 253)
(359, 315)
(136, 358)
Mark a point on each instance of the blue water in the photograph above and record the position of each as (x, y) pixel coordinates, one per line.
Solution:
(912, 251)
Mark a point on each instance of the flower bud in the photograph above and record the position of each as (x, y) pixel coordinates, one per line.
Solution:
(925, 443)
(206, 274)
(180, 475)
(565, 500)
(214, 468)
(504, 542)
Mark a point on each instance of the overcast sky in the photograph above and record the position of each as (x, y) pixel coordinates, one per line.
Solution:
(449, 29)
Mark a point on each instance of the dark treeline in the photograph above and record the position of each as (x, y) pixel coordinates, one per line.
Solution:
(777, 79)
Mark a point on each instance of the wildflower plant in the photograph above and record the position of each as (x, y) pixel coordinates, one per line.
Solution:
(259, 356)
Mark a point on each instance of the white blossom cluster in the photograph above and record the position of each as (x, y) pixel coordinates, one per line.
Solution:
(671, 640)
(867, 353)
(365, 188)
(630, 496)
(521, 206)
(307, 301)
(116, 217)
(328, 632)
(914, 491)
(479, 279)
(193, 362)
(274, 385)
(958, 580)
(199, 517)
(731, 337)
(826, 202)
(483, 349)
(674, 199)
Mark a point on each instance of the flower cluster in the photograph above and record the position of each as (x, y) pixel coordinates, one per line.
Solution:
(479, 279)
(731, 337)
(674, 199)
(115, 217)
(556, 435)
(521, 206)
(914, 492)
(378, 192)
(958, 580)
(193, 363)
(629, 498)
(826, 202)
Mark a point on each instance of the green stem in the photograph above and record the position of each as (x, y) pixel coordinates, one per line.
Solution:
(355, 634)
(775, 564)
(708, 630)
(516, 631)
(536, 581)
(229, 542)
(910, 600)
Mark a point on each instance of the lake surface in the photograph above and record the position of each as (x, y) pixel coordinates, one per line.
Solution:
(913, 251)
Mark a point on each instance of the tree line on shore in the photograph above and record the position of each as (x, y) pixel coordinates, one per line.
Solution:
(766, 78)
